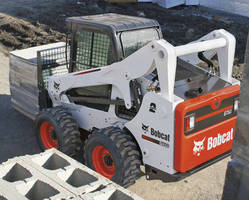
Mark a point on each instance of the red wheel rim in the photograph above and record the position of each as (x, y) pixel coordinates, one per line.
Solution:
(103, 161)
(48, 135)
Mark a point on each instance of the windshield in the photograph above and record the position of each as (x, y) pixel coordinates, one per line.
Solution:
(134, 40)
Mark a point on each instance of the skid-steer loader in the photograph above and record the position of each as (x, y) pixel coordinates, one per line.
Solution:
(130, 96)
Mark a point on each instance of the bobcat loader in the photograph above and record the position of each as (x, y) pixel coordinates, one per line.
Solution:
(128, 97)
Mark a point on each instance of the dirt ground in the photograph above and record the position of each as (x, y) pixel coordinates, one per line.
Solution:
(25, 23)
(45, 22)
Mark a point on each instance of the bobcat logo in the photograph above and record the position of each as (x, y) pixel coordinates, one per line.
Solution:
(145, 128)
(152, 107)
(199, 146)
(56, 86)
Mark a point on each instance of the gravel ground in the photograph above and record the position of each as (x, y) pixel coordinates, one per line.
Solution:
(25, 23)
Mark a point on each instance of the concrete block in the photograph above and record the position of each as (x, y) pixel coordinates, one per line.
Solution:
(9, 193)
(54, 175)
(170, 3)
(240, 7)
(112, 192)
(192, 2)
(66, 172)
(18, 180)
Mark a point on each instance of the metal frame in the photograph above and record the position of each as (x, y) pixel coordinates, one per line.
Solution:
(44, 100)
(41, 87)
(153, 173)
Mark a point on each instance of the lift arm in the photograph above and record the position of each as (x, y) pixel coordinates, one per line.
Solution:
(159, 55)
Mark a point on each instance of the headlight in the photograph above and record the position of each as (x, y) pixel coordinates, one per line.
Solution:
(190, 122)
(236, 105)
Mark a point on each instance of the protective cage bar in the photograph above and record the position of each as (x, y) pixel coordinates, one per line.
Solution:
(52, 61)
(200, 46)
(93, 50)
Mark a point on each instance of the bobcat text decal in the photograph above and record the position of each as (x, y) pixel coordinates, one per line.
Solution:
(212, 142)
(157, 134)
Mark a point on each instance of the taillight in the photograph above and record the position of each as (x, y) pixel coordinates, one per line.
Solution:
(190, 122)
(236, 104)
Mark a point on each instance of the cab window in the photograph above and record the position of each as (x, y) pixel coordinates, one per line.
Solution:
(92, 50)
(134, 40)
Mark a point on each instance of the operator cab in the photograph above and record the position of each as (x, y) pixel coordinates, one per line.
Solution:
(101, 40)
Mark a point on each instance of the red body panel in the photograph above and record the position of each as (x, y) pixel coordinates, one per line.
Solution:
(199, 147)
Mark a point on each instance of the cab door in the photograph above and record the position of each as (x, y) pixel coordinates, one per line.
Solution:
(91, 50)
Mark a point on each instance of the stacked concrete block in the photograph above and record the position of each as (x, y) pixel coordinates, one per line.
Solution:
(67, 172)
(170, 3)
(18, 180)
(240, 7)
(111, 192)
(8, 193)
(53, 175)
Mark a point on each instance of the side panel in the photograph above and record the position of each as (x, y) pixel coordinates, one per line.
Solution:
(23, 86)
(153, 128)
(89, 118)
(214, 128)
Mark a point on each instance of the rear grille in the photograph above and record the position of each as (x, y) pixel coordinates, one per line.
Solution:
(207, 116)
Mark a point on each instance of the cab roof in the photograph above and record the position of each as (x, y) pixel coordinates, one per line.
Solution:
(114, 22)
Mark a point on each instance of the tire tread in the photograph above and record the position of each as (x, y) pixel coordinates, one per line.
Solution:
(127, 148)
(70, 131)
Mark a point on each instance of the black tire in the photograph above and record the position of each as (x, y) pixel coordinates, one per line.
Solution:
(65, 130)
(123, 150)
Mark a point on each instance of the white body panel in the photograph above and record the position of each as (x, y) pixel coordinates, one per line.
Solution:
(88, 118)
(160, 156)
(159, 55)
